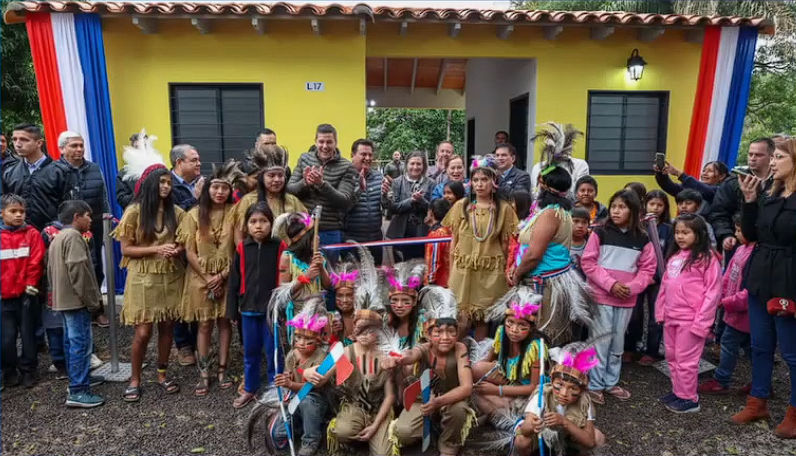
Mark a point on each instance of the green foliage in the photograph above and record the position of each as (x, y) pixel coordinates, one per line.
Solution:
(20, 99)
(772, 98)
(414, 129)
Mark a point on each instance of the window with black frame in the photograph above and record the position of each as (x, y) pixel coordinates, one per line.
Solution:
(625, 130)
(220, 120)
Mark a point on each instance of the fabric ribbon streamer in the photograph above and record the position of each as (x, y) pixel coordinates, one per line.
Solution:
(542, 379)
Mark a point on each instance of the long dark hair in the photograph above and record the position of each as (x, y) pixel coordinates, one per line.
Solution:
(457, 188)
(666, 216)
(206, 208)
(149, 200)
(395, 321)
(301, 249)
(262, 192)
(558, 182)
(260, 208)
(700, 250)
(631, 200)
(533, 335)
(522, 203)
(497, 196)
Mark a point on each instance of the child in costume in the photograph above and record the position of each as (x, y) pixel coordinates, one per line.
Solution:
(687, 303)
(510, 371)
(482, 225)
(566, 422)
(368, 394)
(299, 265)
(252, 279)
(152, 256)
(452, 384)
(307, 352)
(438, 259)
(207, 238)
(404, 325)
(344, 279)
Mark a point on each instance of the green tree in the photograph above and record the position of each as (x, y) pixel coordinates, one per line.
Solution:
(20, 99)
(414, 129)
(772, 97)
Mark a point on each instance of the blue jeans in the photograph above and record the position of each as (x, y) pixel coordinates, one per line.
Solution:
(256, 333)
(19, 318)
(767, 331)
(310, 417)
(732, 341)
(185, 335)
(77, 347)
(611, 320)
(331, 237)
(55, 340)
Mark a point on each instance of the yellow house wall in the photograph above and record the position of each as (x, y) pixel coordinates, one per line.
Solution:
(567, 68)
(140, 68)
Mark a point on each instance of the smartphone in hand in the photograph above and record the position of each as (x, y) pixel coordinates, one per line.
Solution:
(660, 160)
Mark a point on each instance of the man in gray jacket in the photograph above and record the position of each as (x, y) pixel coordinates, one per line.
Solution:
(322, 176)
(363, 221)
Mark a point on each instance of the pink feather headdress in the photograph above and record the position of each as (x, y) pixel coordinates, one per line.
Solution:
(406, 277)
(313, 318)
(575, 360)
(314, 324)
(525, 310)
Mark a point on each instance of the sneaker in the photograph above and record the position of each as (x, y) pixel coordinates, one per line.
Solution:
(101, 321)
(84, 400)
(11, 380)
(683, 406)
(186, 357)
(95, 361)
(713, 387)
(308, 448)
(95, 380)
(668, 399)
(29, 380)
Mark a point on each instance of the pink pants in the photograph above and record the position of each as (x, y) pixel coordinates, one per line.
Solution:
(683, 351)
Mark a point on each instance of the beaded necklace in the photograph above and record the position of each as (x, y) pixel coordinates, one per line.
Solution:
(489, 228)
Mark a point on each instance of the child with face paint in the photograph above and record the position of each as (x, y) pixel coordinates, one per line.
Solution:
(510, 371)
(452, 381)
(403, 315)
(306, 354)
(567, 422)
(344, 280)
(368, 394)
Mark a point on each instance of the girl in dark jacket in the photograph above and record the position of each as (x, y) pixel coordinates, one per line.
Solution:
(770, 220)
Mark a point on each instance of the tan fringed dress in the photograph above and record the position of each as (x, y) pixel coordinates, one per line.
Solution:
(291, 204)
(153, 288)
(214, 249)
(477, 275)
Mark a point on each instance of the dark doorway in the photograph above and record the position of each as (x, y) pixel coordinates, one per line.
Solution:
(470, 139)
(518, 128)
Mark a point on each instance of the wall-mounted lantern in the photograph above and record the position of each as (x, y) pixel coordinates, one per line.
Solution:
(635, 65)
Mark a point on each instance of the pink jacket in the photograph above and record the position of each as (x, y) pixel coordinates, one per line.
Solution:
(733, 297)
(628, 261)
(691, 295)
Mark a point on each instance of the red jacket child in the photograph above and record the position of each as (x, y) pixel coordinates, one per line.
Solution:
(22, 256)
(438, 258)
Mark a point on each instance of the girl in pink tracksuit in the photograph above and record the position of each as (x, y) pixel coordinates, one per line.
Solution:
(687, 302)
(619, 262)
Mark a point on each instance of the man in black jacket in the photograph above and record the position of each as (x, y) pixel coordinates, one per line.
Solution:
(186, 170)
(363, 221)
(34, 177)
(728, 199)
(85, 182)
(512, 178)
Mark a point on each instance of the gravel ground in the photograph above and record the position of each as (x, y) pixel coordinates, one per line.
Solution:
(36, 421)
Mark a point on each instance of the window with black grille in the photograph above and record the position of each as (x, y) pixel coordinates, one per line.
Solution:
(625, 130)
(220, 120)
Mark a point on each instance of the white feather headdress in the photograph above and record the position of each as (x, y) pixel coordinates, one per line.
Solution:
(558, 140)
(137, 159)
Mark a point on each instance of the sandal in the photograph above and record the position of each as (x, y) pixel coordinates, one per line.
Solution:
(132, 394)
(224, 380)
(243, 400)
(619, 393)
(168, 386)
(597, 397)
(203, 387)
(242, 384)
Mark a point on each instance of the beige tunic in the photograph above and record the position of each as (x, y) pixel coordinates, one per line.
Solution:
(291, 204)
(214, 249)
(154, 285)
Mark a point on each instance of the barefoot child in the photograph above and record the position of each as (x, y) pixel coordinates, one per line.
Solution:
(450, 364)
(689, 296)
(252, 279)
(567, 423)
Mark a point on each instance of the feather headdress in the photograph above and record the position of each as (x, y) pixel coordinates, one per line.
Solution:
(486, 163)
(344, 274)
(282, 223)
(557, 142)
(520, 302)
(269, 157)
(406, 277)
(576, 359)
(312, 319)
(228, 173)
(370, 296)
(439, 306)
(138, 159)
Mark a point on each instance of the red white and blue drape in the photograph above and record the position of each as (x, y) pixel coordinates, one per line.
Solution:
(721, 98)
(71, 76)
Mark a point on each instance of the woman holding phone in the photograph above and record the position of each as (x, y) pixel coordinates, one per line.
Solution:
(713, 174)
(407, 200)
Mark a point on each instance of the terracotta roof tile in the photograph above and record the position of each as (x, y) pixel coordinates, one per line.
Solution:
(17, 10)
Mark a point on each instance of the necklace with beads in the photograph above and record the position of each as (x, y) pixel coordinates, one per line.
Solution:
(489, 228)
